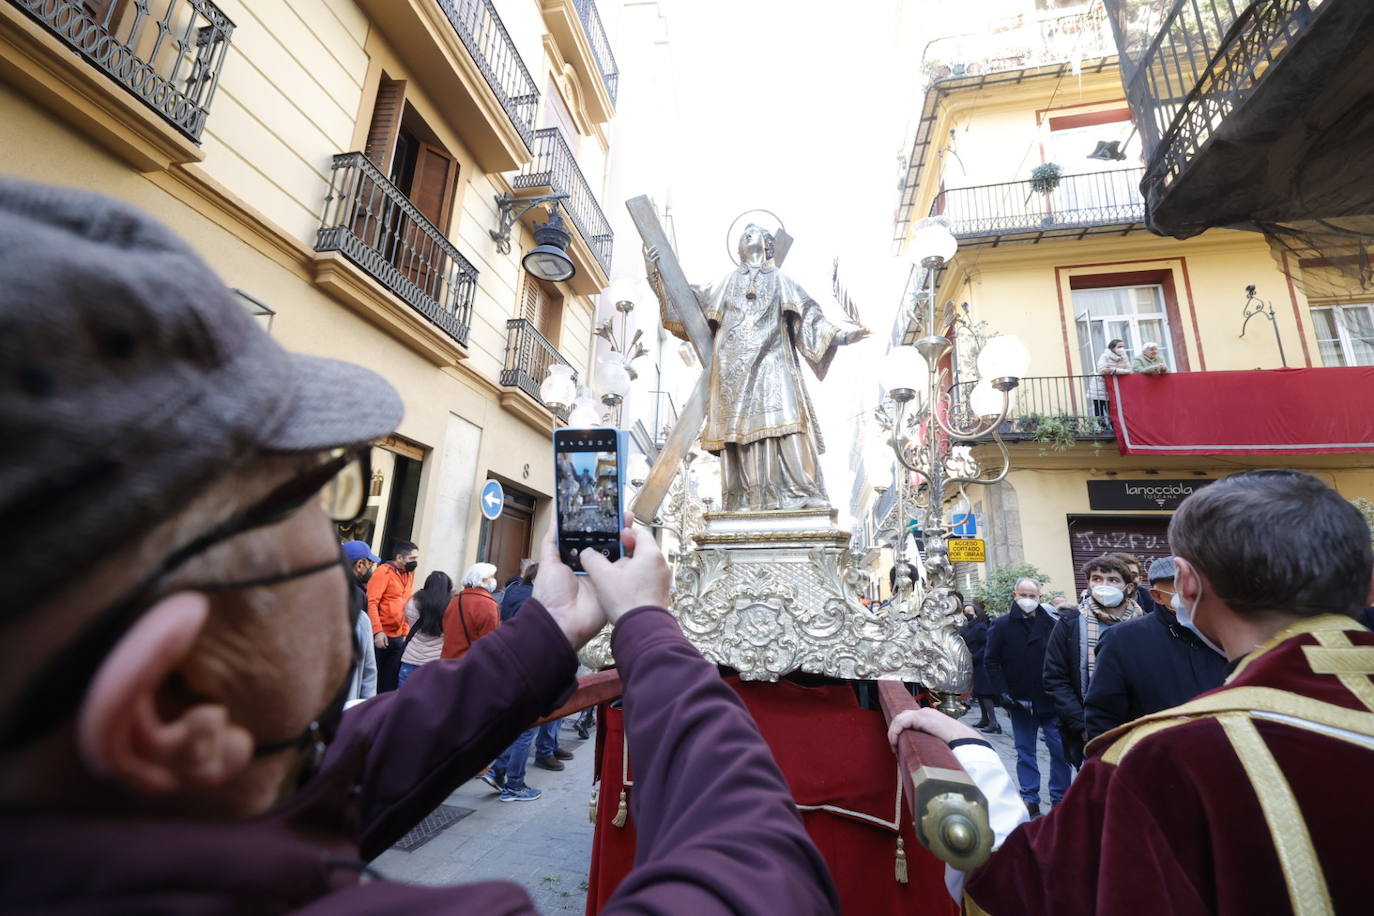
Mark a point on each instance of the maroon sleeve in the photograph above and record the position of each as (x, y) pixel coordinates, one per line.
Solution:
(1126, 839)
(412, 747)
(718, 831)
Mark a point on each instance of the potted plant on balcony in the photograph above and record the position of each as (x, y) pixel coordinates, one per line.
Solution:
(1045, 177)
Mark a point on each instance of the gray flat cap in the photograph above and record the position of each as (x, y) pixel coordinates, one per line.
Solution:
(1163, 568)
(133, 379)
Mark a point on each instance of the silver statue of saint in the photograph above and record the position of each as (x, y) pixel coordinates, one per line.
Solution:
(759, 419)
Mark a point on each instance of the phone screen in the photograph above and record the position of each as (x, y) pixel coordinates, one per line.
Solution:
(587, 481)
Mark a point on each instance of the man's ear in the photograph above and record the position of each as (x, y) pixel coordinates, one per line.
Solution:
(124, 733)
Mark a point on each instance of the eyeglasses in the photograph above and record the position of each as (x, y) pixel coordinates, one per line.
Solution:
(339, 482)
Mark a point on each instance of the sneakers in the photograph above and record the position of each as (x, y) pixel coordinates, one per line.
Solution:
(524, 793)
(562, 754)
(494, 779)
(582, 731)
(1033, 808)
(549, 763)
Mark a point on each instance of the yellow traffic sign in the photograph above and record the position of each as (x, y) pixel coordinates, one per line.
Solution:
(967, 550)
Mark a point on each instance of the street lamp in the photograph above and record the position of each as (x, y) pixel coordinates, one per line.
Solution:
(559, 388)
(616, 372)
(929, 430)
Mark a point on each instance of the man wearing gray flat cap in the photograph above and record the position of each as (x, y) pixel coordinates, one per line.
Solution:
(179, 646)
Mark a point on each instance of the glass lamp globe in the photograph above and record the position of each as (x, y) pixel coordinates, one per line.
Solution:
(586, 412)
(559, 387)
(878, 464)
(612, 378)
(637, 469)
(903, 370)
(933, 239)
(984, 400)
(627, 289)
(1003, 357)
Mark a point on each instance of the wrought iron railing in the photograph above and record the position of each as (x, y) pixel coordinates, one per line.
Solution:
(528, 357)
(554, 167)
(375, 226)
(1032, 43)
(601, 45)
(1188, 63)
(484, 35)
(1049, 409)
(1089, 199)
(167, 53)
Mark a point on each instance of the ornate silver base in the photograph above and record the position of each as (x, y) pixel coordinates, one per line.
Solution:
(770, 593)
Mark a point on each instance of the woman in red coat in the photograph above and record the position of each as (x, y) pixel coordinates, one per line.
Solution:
(472, 613)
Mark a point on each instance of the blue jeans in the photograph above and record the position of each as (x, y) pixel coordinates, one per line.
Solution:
(403, 673)
(514, 759)
(546, 741)
(1023, 728)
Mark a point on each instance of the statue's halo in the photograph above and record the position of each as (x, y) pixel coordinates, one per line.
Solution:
(732, 237)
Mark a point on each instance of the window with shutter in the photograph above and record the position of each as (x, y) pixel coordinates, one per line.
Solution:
(386, 123)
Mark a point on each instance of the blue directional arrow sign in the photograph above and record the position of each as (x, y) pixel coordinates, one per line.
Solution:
(493, 498)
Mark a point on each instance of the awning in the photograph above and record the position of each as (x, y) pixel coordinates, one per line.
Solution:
(1259, 412)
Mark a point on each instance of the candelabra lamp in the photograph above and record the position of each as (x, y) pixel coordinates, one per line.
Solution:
(929, 429)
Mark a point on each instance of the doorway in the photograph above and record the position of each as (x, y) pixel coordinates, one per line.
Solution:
(507, 540)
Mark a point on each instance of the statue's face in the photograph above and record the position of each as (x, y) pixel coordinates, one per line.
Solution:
(753, 244)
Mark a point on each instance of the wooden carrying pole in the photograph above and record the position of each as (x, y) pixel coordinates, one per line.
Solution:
(949, 811)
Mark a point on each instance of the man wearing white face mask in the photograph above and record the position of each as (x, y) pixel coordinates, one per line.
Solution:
(1071, 655)
(1152, 663)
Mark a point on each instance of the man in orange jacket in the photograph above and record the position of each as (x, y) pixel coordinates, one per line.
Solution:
(387, 593)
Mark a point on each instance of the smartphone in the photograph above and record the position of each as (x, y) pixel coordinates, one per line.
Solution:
(589, 489)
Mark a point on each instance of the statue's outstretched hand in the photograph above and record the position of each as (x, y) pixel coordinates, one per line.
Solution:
(651, 257)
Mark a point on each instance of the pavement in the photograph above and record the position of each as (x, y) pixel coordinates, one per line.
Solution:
(544, 845)
(1005, 746)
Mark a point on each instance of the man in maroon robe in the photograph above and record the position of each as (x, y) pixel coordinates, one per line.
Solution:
(1247, 799)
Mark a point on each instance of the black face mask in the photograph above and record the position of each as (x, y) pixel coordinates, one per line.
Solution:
(410, 567)
(362, 579)
(316, 736)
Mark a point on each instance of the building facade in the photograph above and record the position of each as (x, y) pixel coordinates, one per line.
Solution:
(1060, 257)
(361, 170)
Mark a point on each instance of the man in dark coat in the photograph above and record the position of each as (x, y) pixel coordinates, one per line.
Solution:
(517, 591)
(1149, 664)
(1071, 656)
(1015, 660)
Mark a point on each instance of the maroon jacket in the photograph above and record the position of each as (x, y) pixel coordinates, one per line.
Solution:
(718, 831)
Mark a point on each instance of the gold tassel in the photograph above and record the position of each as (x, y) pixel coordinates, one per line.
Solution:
(901, 861)
(621, 813)
(591, 804)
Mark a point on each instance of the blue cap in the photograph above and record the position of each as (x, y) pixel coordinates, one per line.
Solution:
(358, 550)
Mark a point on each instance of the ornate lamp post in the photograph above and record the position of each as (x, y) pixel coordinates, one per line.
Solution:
(928, 434)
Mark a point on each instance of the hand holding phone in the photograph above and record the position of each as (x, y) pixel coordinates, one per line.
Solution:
(589, 492)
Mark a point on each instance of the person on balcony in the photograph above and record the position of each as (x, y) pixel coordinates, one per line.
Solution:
(1113, 361)
(1149, 362)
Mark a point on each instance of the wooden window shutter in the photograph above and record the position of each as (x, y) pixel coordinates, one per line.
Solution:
(386, 123)
(530, 309)
(431, 190)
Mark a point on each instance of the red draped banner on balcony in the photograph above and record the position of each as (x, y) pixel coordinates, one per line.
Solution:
(1260, 412)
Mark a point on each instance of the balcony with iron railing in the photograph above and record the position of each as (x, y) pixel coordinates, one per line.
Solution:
(165, 53)
(375, 226)
(601, 45)
(461, 52)
(1055, 411)
(528, 358)
(1214, 83)
(1080, 205)
(1019, 44)
(555, 170)
(577, 30)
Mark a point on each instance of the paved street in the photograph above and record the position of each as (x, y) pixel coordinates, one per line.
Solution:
(543, 845)
(1006, 749)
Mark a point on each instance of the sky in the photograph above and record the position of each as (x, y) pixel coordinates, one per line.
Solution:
(801, 108)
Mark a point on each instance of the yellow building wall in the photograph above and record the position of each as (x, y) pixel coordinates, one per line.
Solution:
(298, 88)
